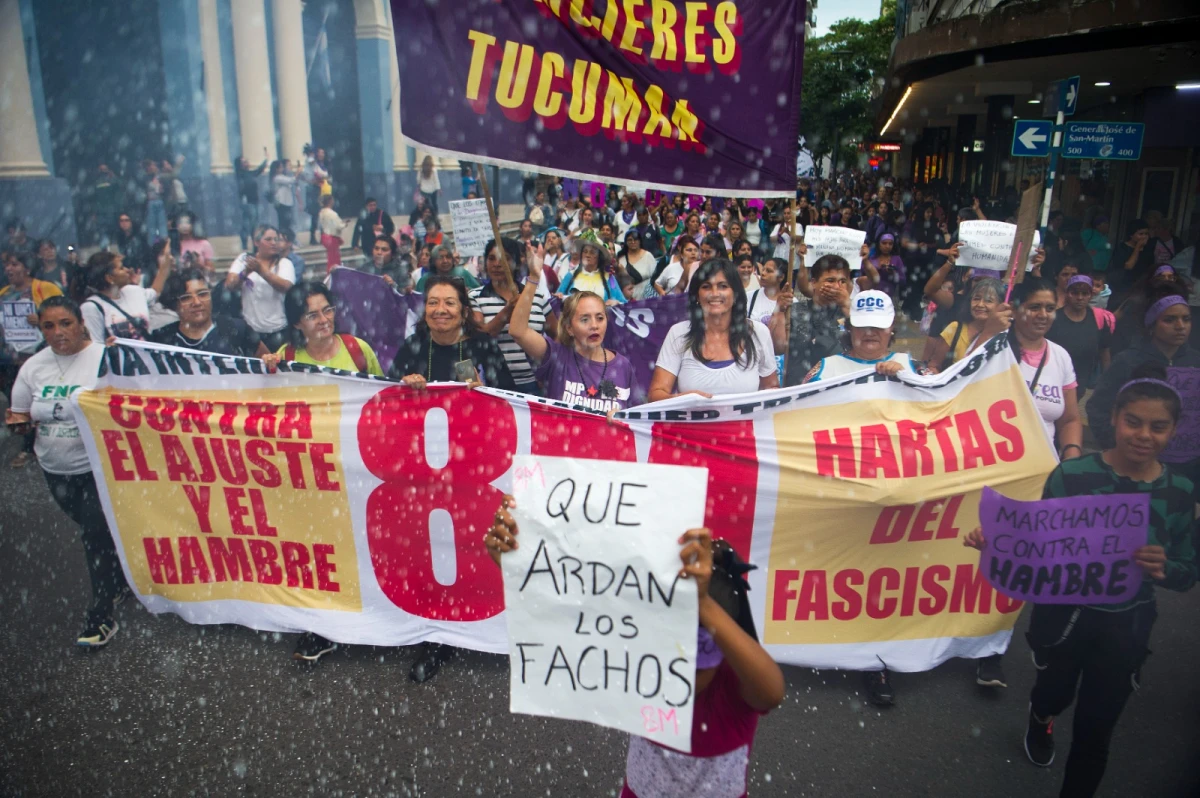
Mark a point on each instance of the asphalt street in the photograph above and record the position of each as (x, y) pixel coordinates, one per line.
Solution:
(175, 709)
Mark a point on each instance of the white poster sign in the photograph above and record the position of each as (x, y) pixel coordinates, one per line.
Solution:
(600, 626)
(825, 240)
(986, 245)
(472, 226)
(17, 329)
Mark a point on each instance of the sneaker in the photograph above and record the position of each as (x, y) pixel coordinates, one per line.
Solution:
(97, 634)
(123, 595)
(879, 687)
(429, 661)
(989, 672)
(1039, 741)
(22, 459)
(311, 647)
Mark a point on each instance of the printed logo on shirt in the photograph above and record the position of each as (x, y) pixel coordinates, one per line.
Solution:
(1048, 393)
(57, 391)
(575, 393)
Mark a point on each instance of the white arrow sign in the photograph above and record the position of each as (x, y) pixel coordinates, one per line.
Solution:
(1071, 96)
(1031, 138)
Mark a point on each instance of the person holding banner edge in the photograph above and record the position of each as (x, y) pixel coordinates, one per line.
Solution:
(736, 680)
(1092, 655)
(71, 361)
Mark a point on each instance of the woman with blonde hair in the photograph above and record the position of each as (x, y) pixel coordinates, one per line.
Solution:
(428, 183)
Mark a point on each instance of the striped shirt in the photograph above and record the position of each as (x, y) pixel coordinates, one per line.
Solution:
(489, 303)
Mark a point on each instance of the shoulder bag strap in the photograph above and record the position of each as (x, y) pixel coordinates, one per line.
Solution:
(137, 323)
(355, 351)
(1037, 375)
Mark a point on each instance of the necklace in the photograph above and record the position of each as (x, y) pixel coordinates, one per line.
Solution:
(607, 389)
(62, 374)
(429, 364)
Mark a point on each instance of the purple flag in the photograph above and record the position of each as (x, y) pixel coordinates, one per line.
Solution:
(699, 97)
(1185, 444)
(1077, 550)
(637, 330)
(370, 309)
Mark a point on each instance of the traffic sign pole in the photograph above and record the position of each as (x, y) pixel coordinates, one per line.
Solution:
(1052, 169)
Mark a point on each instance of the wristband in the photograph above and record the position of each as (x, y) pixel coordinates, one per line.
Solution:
(1063, 450)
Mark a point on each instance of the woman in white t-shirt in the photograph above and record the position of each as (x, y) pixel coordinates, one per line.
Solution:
(762, 301)
(113, 304)
(669, 280)
(264, 278)
(41, 399)
(638, 264)
(1046, 366)
(719, 350)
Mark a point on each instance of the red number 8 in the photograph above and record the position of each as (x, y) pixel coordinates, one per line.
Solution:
(482, 436)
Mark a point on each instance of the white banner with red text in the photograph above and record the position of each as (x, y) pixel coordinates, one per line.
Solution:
(353, 507)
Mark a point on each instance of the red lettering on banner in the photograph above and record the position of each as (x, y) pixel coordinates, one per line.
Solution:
(260, 420)
(813, 604)
(296, 564)
(179, 467)
(228, 415)
(556, 432)
(129, 419)
(783, 593)
(974, 441)
(971, 589)
(323, 469)
(877, 453)
(998, 414)
(321, 554)
(161, 559)
(207, 472)
(842, 451)
(199, 499)
(914, 446)
(922, 590)
(844, 582)
(296, 421)
(936, 596)
(229, 557)
(293, 451)
(233, 501)
(266, 562)
(949, 456)
(482, 435)
(227, 454)
(144, 472)
(897, 522)
(267, 474)
(116, 455)
(259, 510)
(192, 565)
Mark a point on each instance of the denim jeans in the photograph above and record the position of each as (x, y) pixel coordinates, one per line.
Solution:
(77, 496)
(249, 221)
(156, 221)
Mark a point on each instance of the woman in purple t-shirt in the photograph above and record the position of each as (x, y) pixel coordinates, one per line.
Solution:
(576, 368)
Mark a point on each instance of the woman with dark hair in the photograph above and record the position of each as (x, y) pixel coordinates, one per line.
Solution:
(447, 345)
(719, 350)
(264, 277)
(49, 267)
(283, 192)
(1092, 655)
(71, 361)
(188, 294)
(1166, 323)
(113, 304)
(131, 241)
(310, 310)
(635, 262)
(442, 264)
(1132, 260)
(385, 261)
(492, 307)
(194, 249)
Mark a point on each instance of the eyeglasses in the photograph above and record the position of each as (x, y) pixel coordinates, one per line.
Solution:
(199, 296)
(328, 312)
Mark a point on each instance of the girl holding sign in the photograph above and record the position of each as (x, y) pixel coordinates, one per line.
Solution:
(1095, 653)
(736, 679)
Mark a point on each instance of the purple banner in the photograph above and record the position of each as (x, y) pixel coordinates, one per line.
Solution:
(369, 309)
(637, 330)
(609, 91)
(1185, 444)
(1077, 550)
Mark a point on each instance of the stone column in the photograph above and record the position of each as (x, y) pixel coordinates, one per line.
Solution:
(291, 78)
(399, 149)
(214, 88)
(253, 70)
(20, 150)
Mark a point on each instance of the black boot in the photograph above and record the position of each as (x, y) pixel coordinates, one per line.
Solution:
(430, 660)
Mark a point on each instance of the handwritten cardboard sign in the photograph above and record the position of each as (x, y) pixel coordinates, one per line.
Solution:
(1077, 550)
(472, 226)
(826, 240)
(17, 329)
(985, 245)
(600, 627)
(1185, 445)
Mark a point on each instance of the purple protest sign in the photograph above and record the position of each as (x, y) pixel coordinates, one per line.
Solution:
(637, 330)
(1077, 550)
(628, 92)
(369, 309)
(1185, 444)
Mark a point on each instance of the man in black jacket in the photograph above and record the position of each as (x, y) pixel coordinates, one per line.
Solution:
(247, 183)
(373, 222)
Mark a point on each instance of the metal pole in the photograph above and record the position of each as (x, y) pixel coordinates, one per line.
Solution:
(1052, 170)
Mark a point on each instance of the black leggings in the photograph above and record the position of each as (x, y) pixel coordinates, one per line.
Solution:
(8, 378)
(77, 496)
(1096, 659)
